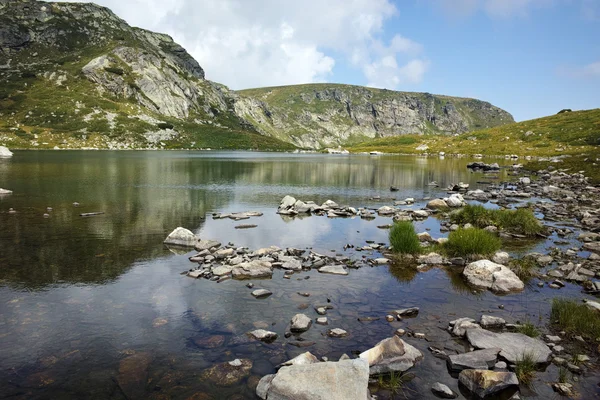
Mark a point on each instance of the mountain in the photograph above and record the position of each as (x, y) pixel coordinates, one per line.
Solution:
(320, 115)
(75, 75)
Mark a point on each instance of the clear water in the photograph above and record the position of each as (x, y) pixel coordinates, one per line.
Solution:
(78, 296)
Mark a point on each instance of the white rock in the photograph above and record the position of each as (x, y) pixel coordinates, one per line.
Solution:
(455, 200)
(392, 354)
(333, 269)
(182, 237)
(5, 152)
(263, 335)
(300, 323)
(501, 257)
(490, 275)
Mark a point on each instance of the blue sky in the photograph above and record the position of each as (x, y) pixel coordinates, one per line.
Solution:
(530, 57)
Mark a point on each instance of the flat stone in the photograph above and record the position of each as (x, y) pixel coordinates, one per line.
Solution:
(253, 269)
(392, 354)
(222, 270)
(261, 293)
(133, 375)
(381, 261)
(206, 245)
(342, 380)
(553, 339)
(322, 321)
(443, 391)
(223, 253)
(592, 246)
(479, 359)
(263, 335)
(431, 259)
(513, 345)
(461, 325)
(333, 269)
(293, 265)
(337, 333)
(228, 373)
(302, 359)
(484, 383)
(407, 312)
(487, 321)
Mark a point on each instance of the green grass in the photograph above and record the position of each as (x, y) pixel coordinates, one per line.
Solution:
(573, 133)
(521, 221)
(563, 375)
(575, 318)
(525, 368)
(404, 239)
(470, 242)
(529, 329)
(525, 268)
(394, 381)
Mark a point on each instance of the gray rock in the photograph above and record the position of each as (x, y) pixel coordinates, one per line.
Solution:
(592, 246)
(455, 200)
(322, 321)
(302, 359)
(224, 253)
(431, 259)
(479, 359)
(500, 365)
(487, 321)
(300, 323)
(292, 265)
(263, 386)
(333, 269)
(501, 257)
(5, 152)
(436, 204)
(287, 202)
(513, 345)
(381, 261)
(407, 312)
(342, 380)
(461, 325)
(181, 237)
(495, 277)
(253, 269)
(261, 293)
(443, 391)
(392, 354)
(263, 335)
(206, 245)
(484, 383)
(222, 270)
(337, 333)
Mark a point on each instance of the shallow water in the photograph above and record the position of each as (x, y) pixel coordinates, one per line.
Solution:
(80, 295)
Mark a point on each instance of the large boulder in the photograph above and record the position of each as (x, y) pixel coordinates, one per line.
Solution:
(484, 383)
(391, 355)
(496, 277)
(514, 345)
(342, 380)
(182, 237)
(253, 270)
(5, 152)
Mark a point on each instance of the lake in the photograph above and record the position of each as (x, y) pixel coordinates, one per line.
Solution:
(97, 307)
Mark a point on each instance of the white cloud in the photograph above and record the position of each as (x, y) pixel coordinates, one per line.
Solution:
(245, 43)
(385, 72)
(493, 8)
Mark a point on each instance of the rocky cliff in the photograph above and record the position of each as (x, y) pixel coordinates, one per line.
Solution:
(318, 115)
(76, 75)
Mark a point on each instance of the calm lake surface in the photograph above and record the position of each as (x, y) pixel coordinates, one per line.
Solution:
(80, 296)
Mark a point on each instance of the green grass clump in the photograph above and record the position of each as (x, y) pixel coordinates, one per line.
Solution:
(563, 375)
(521, 221)
(394, 382)
(470, 242)
(525, 268)
(529, 329)
(404, 239)
(525, 368)
(575, 318)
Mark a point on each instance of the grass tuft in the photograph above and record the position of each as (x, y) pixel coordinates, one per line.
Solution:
(529, 329)
(563, 375)
(525, 368)
(404, 239)
(525, 268)
(394, 381)
(521, 221)
(575, 318)
(471, 242)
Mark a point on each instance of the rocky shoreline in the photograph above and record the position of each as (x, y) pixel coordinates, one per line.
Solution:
(560, 198)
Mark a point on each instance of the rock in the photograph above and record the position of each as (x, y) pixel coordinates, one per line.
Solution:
(386, 210)
(420, 214)
(261, 293)
(133, 375)
(501, 257)
(424, 237)
(253, 269)
(181, 237)
(553, 339)
(222, 270)
(455, 200)
(381, 261)
(292, 265)
(488, 321)
(5, 191)
(209, 342)
(437, 204)
(495, 277)
(592, 246)
(263, 386)
(337, 333)
(322, 321)
(302, 359)
(392, 354)
(206, 245)
(5, 152)
(513, 345)
(333, 269)
(479, 359)
(461, 325)
(564, 389)
(431, 259)
(228, 373)
(500, 365)
(223, 253)
(443, 391)
(544, 260)
(342, 380)
(300, 323)
(407, 312)
(263, 335)
(484, 383)
(287, 202)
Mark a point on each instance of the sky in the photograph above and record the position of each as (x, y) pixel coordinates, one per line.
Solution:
(529, 57)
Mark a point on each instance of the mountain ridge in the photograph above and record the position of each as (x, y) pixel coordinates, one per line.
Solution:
(76, 75)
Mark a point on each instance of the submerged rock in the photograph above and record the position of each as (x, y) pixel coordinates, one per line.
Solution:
(263, 335)
(228, 373)
(261, 293)
(495, 277)
(443, 391)
(342, 380)
(391, 355)
(514, 345)
(484, 383)
(133, 375)
(181, 237)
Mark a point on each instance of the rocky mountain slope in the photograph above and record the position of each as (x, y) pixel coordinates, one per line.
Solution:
(318, 115)
(75, 75)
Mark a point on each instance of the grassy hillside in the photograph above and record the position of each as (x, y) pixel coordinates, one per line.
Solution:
(567, 133)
